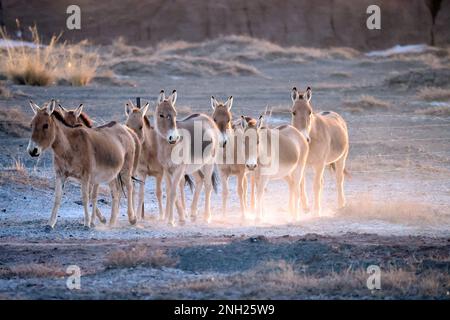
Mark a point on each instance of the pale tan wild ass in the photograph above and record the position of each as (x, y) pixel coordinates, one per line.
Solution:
(327, 135)
(278, 153)
(196, 137)
(229, 164)
(91, 156)
(74, 117)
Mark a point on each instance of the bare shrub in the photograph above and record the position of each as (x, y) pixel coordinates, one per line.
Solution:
(439, 111)
(139, 256)
(31, 270)
(5, 92)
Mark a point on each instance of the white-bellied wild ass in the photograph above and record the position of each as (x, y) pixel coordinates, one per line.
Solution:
(92, 156)
(228, 164)
(278, 153)
(327, 135)
(185, 147)
(74, 117)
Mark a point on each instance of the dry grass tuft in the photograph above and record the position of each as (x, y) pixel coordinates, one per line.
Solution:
(366, 103)
(139, 256)
(44, 64)
(434, 94)
(5, 92)
(31, 270)
(14, 122)
(403, 212)
(439, 111)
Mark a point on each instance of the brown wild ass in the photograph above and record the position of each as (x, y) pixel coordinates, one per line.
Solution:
(229, 164)
(278, 153)
(195, 138)
(92, 156)
(78, 117)
(327, 135)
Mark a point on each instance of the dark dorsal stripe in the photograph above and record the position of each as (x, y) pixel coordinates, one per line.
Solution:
(86, 120)
(324, 113)
(283, 126)
(58, 116)
(107, 125)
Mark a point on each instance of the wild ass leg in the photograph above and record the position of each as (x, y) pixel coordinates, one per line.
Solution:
(241, 191)
(340, 166)
(94, 194)
(59, 183)
(260, 188)
(224, 180)
(318, 186)
(130, 209)
(244, 189)
(291, 195)
(197, 189)
(140, 214)
(303, 196)
(159, 195)
(252, 196)
(208, 171)
(85, 199)
(97, 210)
(115, 199)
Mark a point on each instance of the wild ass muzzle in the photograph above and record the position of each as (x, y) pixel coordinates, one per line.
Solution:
(91, 156)
(273, 154)
(187, 146)
(327, 135)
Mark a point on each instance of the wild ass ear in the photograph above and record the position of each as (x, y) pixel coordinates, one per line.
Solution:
(62, 108)
(161, 97)
(144, 109)
(229, 103)
(294, 94)
(51, 107)
(173, 97)
(128, 108)
(244, 123)
(214, 103)
(78, 110)
(34, 107)
(260, 122)
(308, 94)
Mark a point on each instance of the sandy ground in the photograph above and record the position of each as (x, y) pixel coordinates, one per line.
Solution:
(397, 217)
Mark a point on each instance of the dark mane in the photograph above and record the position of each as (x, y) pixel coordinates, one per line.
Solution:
(61, 119)
(107, 125)
(191, 116)
(86, 120)
(147, 122)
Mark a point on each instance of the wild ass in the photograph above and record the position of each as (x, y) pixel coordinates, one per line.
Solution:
(228, 164)
(91, 156)
(327, 135)
(278, 153)
(76, 117)
(185, 147)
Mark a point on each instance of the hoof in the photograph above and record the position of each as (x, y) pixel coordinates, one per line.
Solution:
(193, 218)
(92, 225)
(86, 228)
(171, 224)
(133, 221)
(103, 220)
(182, 222)
(48, 228)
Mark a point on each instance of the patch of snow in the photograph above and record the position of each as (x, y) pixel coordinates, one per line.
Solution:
(16, 43)
(399, 49)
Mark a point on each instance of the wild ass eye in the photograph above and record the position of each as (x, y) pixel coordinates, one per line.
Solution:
(293, 112)
(45, 126)
(140, 128)
(161, 116)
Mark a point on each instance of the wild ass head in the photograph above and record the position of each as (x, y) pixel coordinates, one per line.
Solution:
(43, 130)
(251, 139)
(76, 116)
(136, 117)
(302, 112)
(222, 117)
(166, 116)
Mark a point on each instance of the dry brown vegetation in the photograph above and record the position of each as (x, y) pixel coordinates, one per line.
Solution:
(286, 280)
(433, 94)
(398, 211)
(31, 270)
(44, 64)
(366, 103)
(139, 256)
(439, 111)
(14, 122)
(5, 92)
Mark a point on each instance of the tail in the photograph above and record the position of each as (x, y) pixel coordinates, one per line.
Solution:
(214, 181)
(346, 172)
(188, 181)
(137, 149)
(120, 182)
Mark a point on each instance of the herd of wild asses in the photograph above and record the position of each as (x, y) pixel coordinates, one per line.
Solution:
(194, 151)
